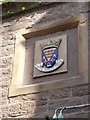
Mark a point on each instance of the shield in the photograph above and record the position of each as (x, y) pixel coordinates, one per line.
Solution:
(50, 61)
(49, 56)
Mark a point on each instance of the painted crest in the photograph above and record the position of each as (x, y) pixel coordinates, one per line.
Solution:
(50, 61)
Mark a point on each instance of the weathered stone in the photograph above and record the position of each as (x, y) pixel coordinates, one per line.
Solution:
(41, 102)
(4, 84)
(27, 107)
(16, 99)
(4, 112)
(5, 78)
(1, 38)
(86, 100)
(8, 50)
(8, 36)
(7, 24)
(4, 93)
(41, 115)
(38, 96)
(6, 43)
(9, 110)
(6, 71)
(40, 109)
(59, 93)
(80, 90)
(7, 61)
(52, 105)
(82, 115)
(3, 101)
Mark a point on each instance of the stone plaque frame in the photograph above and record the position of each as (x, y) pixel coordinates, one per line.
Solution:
(62, 55)
(81, 23)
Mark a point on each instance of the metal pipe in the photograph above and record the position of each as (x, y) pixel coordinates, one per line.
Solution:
(60, 115)
(77, 106)
(71, 107)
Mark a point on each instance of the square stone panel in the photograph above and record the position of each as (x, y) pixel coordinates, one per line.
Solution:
(62, 54)
(69, 38)
(23, 80)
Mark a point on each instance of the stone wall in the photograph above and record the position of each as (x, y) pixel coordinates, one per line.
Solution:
(43, 103)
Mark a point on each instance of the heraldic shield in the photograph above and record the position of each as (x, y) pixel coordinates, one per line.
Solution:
(50, 61)
(49, 56)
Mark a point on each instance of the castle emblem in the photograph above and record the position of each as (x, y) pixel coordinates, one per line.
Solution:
(50, 61)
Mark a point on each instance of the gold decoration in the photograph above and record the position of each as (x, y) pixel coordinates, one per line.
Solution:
(51, 43)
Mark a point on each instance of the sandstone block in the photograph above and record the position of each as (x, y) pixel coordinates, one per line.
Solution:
(59, 93)
(80, 90)
(7, 61)
(6, 51)
(52, 105)
(82, 115)
(6, 72)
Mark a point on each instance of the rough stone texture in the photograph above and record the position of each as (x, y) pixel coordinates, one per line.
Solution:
(83, 90)
(44, 103)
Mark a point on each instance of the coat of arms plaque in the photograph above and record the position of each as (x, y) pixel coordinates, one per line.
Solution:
(50, 61)
(50, 55)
